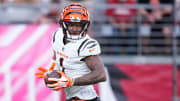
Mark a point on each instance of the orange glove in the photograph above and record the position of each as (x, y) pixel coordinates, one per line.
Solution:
(62, 82)
(43, 72)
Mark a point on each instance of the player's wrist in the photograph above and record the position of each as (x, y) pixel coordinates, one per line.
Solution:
(53, 65)
(53, 61)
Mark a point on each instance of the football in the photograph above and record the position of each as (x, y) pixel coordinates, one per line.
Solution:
(51, 74)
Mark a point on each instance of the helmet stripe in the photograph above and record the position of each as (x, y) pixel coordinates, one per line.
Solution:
(74, 13)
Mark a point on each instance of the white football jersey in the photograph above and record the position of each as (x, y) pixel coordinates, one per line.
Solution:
(70, 57)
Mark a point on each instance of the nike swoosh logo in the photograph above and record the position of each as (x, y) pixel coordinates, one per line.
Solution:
(91, 50)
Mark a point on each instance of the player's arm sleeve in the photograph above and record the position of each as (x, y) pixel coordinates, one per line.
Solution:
(54, 39)
(91, 47)
(55, 61)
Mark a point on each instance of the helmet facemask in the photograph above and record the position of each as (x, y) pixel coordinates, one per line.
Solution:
(75, 30)
(75, 21)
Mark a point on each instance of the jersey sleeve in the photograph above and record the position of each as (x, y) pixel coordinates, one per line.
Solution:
(91, 47)
(57, 36)
(54, 39)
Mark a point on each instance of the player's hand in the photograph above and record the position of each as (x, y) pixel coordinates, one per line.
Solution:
(43, 71)
(60, 83)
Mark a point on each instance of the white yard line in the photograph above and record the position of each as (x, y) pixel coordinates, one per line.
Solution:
(11, 35)
(16, 55)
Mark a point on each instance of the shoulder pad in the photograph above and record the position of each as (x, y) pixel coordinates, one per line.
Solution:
(55, 35)
(89, 47)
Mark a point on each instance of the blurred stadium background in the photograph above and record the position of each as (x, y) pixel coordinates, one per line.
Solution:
(140, 41)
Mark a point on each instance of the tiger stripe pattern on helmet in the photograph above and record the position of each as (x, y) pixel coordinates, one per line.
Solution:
(74, 13)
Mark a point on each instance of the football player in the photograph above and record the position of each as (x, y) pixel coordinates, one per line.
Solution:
(76, 57)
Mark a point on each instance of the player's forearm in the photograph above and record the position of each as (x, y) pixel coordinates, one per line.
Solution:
(96, 75)
(91, 78)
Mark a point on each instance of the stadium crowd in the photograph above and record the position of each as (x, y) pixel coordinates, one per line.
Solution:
(146, 29)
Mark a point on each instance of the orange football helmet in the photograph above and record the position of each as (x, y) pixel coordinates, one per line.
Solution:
(74, 15)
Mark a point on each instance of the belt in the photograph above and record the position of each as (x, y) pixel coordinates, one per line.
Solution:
(77, 99)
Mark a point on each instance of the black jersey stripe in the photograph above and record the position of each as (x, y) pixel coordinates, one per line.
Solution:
(54, 37)
(88, 44)
(82, 45)
(92, 46)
